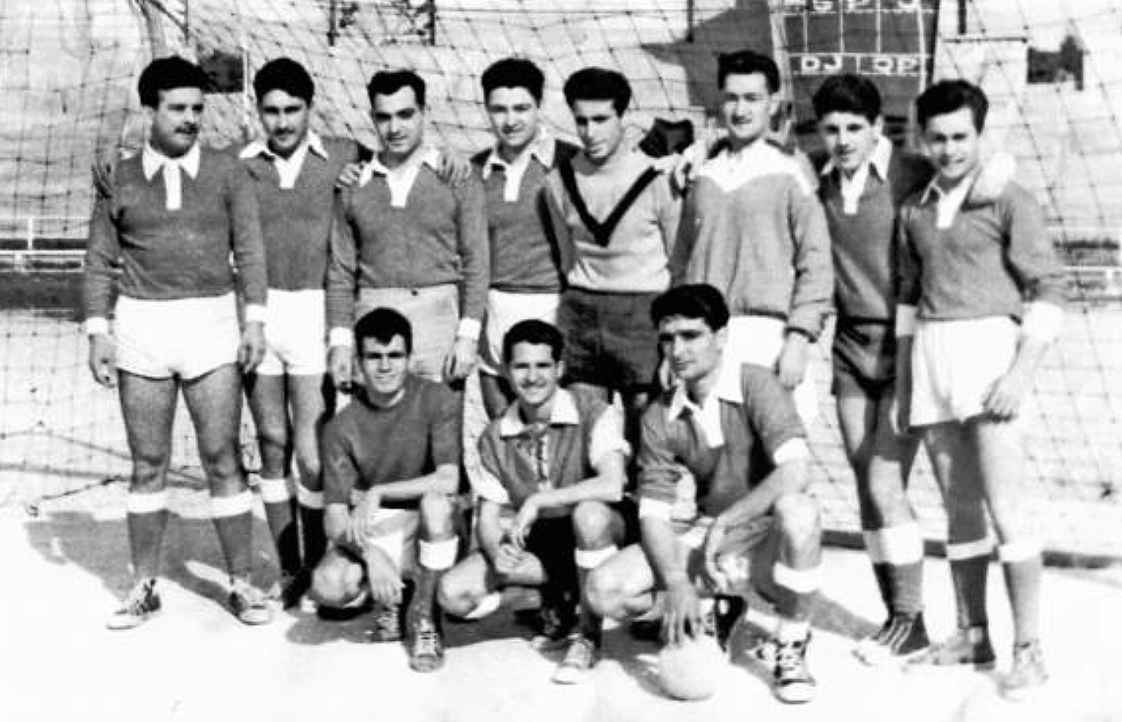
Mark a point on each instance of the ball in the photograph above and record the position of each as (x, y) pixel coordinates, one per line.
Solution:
(689, 671)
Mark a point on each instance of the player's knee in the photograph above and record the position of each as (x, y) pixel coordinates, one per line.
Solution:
(592, 523)
(221, 463)
(798, 517)
(454, 598)
(436, 513)
(886, 488)
(148, 472)
(604, 594)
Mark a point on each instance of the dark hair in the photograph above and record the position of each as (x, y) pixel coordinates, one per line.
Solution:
(388, 82)
(692, 300)
(382, 324)
(847, 93)
(536, 332)
(513, 73)
(947, 96)
(166, 74)
(746, 62)
(284, 74)
(598, 84)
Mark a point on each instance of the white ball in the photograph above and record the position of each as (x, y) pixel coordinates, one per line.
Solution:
(689, 671)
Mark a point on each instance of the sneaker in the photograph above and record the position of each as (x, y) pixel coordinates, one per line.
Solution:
(553, 626)
(726, 612)
(969, 646)
(1028, 673)
(387, 624)
(793, 683)
(138, 607)
(426, 646)
(903, 637)
(579, 659)
(248, 604)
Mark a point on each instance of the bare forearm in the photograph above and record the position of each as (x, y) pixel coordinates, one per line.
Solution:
(660, 546)
(489, 531)
(442, 481)
(598, 488)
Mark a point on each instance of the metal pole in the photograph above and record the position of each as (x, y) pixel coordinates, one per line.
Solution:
(331, 32)
(432, 22)
(689, 20)
(962, 17)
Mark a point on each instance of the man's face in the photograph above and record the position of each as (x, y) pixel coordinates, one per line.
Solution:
(691, 347)
(746, 106)
(384, 367)
(850, 138)
(953, 143)
(399, 122)
(514, 116)
(285, 119)
(533, 373)
(599, 126)
(176, 119)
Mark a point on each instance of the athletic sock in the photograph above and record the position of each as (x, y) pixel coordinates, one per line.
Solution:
(434, 558)
(280, 513)
(902, 553)
(591, 625)
(146, 519)
(233, 520)
(970, 563)
(311, 525)
(798, 587)
(1022, 566)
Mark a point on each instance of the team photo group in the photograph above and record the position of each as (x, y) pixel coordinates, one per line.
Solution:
(640, 329)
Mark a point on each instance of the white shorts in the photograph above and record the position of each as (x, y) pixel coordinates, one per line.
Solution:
(759, 340)
(295, 335)
(185, 337)
(396, 533)
(954, 364)
(504, 309)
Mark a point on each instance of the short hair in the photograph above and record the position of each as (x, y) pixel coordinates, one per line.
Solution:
(168, 73)
(513, 73)
(692, 300)
(388, 82)
(747, 62)
(533, 331)
(284, 74)
(947, 96)
(382, 324)
(598, 84)
(848, 93)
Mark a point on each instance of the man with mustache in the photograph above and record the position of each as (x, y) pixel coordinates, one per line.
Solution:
(169, 219)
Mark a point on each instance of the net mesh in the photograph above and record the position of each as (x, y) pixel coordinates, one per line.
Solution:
(1052, 72)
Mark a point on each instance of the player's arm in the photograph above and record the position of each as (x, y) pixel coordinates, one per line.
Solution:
(249, 258)
(687, 238)
(475, 264)
(814, 281)
(98, 279)
(554, 216)
(907, 281)
(342, 279)
(340, 474)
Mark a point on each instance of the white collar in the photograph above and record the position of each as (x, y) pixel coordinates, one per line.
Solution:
(423, 155)
(153, 160)
(563, 413)
(727, 388)
(543, 147)
(312, 141)
(878, 159)
(959, 190)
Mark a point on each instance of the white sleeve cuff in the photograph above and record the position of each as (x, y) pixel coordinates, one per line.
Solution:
(469, 328)
(340, 337)
(905, 320)
(96, 325)
(1042, 321)
(791, 450)
(255, 313)
(655, 509)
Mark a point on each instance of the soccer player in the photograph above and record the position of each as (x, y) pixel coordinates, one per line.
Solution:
(169, 219)
(968, 271)
(736, 430)
(406, 239)
(753, 228)
(525, 258)
(617, 218)
(390, 467)
(294, 171)
(553, 471)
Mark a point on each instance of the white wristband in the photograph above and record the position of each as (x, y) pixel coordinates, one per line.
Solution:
(97, 325)
(469, 328)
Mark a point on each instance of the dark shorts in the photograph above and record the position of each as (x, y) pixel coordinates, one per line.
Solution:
(553, 541)
(864, 358)
(609, 338)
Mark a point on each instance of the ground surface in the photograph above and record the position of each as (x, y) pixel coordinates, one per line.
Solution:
(66, 567)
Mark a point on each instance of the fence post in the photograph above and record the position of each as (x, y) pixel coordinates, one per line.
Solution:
(31, 233)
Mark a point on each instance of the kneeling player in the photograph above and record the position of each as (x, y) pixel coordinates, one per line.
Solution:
(553, 466)
(736, 430)
(398, 448)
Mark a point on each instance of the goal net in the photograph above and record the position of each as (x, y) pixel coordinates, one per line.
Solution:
(1052, 72)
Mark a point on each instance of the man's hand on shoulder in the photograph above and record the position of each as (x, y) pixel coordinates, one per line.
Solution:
(455, 169)
(348, 177)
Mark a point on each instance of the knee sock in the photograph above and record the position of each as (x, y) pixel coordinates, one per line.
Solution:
(147, 519)
(796, 599)
(280, 513)
(233, 520)
(311, 525)
(1022, 566)
(591, 625)
(434, 558)
(970, 563)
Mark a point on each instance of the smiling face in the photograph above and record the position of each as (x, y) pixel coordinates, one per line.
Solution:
(514, 117)
(175, 120)
(533, 373)
(384, 368)
(690, 346)
(953, 143)
(746, 107)
(399, 121)
(285, 119)
(849, 138)
(599, 127)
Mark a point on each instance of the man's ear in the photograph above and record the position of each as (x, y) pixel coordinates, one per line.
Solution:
(878, 125)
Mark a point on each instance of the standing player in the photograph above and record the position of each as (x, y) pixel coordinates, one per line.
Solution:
(967, 271)
(735, 429)
(525, 258)
(293, 171)
(553, 464)
(753, 228)
(406, 239)
(618, 217)
(398, 446)
(169, 218)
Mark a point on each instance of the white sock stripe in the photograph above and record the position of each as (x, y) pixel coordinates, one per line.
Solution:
(438, 555)
(1021, 550)
(309, 498)
(592, 558)
(226, 506)
(136, 503)
(791, 631)
(872, 545)
(488, 604)
(273, 491)
(958, 551)
(800, 581)
(901, 544)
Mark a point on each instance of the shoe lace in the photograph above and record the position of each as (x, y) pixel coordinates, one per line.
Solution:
(248, 594)
(137, 599)
(789, 659)
(427, 639)
(579, 654)
(386, 619)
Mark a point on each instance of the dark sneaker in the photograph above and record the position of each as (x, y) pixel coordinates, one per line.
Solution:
(387, 624)
(554, 625)
(903, 637)
(969, 646)
(1028, 673)
(579, 659)
(793, 683)
(138, 607)
(425, 645)
(248, 604)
